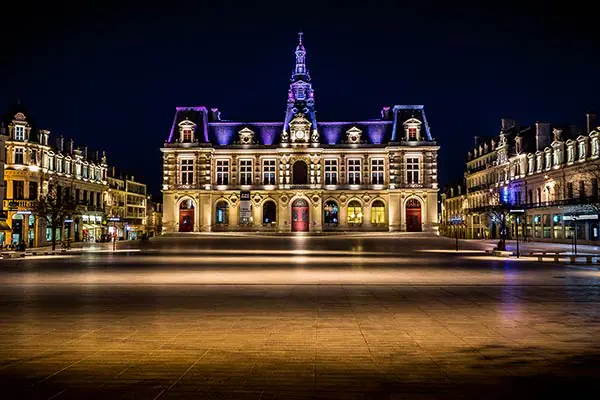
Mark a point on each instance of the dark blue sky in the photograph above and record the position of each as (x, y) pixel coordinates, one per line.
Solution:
(111, 77)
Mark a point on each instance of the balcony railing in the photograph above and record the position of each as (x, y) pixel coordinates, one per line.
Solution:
(595, 200)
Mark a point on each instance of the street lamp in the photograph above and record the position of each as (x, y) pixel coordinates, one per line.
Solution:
(456, 221)
(574, 227)
(517, 220)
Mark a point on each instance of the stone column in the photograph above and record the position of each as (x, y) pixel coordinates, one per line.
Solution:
(395, 212)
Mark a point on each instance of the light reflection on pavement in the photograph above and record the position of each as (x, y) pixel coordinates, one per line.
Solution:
(265, 318)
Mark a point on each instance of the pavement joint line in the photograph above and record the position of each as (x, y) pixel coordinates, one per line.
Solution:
(181, 377)
(41, 353)
(77, 362)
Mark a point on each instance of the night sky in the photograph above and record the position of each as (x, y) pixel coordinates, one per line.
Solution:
(112, 77)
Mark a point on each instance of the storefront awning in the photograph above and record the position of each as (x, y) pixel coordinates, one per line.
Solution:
(4, 226)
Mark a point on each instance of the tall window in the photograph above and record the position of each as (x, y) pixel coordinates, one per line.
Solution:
(19, 133)
(19, 155)
(245, 172)
(68, 167)
(268, 172)
(582, 150)
(33, 190)
(187, 171)
(412, 133)
(331, 171)
(377, 212)
(33, 157)
(187, 135)
(18, 190)
(51, 163)
(355, 216)
(412, 170)
(595, 147)
(222, 172)
(59, 164)
(354, 172)
(377, 171)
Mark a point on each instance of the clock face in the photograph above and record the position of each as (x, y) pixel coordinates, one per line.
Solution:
(300, 134)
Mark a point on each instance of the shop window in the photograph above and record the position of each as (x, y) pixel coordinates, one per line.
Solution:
(378, 213)
(222, 213)
(355, 214)
(330, 213)
(269, 213)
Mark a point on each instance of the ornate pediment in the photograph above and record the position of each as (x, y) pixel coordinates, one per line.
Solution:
(300, 129)
(187, 130)
(354, 134)
(246, 136)
(20, 117)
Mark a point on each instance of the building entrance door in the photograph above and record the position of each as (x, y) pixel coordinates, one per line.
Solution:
(186, 216)
(413, 215)
(300, 217)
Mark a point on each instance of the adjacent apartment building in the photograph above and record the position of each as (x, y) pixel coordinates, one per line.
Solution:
(550, 172)
(35, 165)
(300, 174)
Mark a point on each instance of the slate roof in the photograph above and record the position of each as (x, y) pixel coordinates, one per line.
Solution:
(225, 133)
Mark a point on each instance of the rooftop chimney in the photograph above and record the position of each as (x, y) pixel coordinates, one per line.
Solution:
(113, 172)
(84, 151)
(543, 135)
(590, 121)
(70, 146)
(97, 155)
(508, 123)
(215, 114)
(60, 143)
(385, 113)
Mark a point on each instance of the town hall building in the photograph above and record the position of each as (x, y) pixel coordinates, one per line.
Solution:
(300, 174)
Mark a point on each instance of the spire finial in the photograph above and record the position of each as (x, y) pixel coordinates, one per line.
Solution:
(300, 34)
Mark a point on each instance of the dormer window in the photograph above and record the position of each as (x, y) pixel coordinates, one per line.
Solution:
(19, 132)
(412, 128)
(595, 147)
(582, 154)
(186, 131)
(412, 133)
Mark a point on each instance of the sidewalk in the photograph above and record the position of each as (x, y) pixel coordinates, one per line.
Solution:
(527, 247)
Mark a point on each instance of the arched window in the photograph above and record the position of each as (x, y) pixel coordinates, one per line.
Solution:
(355, 214)
(269, 213)
(222, 213)
(300, 173)
(330, 213)
(378, 213)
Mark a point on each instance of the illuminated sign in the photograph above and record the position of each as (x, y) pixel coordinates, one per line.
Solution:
(245, 207)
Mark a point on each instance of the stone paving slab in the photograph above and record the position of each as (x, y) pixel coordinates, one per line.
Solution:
(441, 327)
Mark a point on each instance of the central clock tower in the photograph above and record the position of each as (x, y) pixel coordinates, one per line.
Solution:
(300, 126)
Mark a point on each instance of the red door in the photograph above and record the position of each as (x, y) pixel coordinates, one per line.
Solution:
(300, 216)
(413, 215)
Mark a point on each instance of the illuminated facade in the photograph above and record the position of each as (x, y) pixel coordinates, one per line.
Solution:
(300, 174)
(125, 206)
(550, 172)
(33, 166)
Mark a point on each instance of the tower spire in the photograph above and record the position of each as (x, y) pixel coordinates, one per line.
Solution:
(300, 71)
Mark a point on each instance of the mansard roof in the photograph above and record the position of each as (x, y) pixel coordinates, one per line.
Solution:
(212, 131)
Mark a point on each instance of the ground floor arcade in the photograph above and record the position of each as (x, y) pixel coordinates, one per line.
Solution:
(299, 211)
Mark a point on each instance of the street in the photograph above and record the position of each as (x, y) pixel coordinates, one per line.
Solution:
(255, 317)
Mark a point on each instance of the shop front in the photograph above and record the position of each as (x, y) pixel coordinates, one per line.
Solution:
(91, 228)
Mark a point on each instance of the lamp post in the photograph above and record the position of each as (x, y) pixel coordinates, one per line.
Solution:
(517, 221)
(574, 226)
(456, 221)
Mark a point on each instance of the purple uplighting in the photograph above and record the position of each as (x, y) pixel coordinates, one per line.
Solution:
(224, 133)
(267, 134)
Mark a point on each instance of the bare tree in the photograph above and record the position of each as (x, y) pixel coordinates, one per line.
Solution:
(54, 208)
(499, 213)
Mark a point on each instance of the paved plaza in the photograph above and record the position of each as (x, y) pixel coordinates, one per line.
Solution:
(331, 317)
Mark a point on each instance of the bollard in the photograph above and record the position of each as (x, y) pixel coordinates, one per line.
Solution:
(572, 259)
(588, 259)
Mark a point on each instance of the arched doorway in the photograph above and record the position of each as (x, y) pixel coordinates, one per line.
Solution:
(269, 215)
(331, 213)
(300, 221)
(413, 215)
(186, 216)
(300, 173)
(222, 214)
